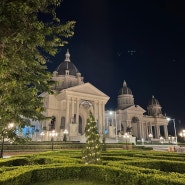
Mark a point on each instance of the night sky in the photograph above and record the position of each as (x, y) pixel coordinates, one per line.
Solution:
(105, 33)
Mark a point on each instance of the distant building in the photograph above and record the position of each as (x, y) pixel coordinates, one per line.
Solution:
(73, 99)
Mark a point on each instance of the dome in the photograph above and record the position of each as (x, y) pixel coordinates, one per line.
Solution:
(67, 65)
(154, 108)
(125, 89)
(153, 101)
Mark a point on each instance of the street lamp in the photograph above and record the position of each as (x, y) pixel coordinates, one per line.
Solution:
(42, 135)
(174, 127)
(126, 136)
(150, 136)
(52, 134)
(65, 135)
(161, 140)
(116, 126)
(182, 134)
(115, 118)
(4, 133)
(10, 125)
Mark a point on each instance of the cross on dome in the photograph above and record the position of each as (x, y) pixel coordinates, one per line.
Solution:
(124, 84)
(67, 56)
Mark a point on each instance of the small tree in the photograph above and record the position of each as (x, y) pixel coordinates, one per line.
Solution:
(92, 152)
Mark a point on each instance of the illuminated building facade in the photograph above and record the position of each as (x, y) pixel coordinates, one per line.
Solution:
(73, 99)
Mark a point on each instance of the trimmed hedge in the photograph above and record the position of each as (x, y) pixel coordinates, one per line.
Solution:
(120, 167)
(112, 175)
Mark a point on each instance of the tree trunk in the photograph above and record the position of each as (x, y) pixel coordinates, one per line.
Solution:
(2, 146)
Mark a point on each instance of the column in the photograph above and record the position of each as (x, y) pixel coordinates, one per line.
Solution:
(151, 131)
(99, 118)
(158, 132)
(103, 118)
(147, 130)
(67, 115)
(165, 132)
(155, 131)
(94, 109)
(77, 110)
(142, 130)
(139, 134)
(72, 109)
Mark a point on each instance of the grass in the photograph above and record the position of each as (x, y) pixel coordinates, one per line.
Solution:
(71, 182)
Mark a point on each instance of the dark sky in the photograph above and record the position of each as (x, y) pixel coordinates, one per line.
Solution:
(107, 29)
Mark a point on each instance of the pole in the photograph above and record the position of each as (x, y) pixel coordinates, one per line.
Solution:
(52, 143)
(116, 126)
(126, 144)
(175, 131)
(2, 146)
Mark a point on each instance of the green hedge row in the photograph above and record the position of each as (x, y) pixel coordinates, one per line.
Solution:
(162, 165)
(147, 155)
(74, 157)
(22, 161)
(38, 160)
(62, 145)
(119, 167)
(112, 175)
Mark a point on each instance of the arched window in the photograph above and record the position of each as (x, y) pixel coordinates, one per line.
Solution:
(62, 125)
(52, 125)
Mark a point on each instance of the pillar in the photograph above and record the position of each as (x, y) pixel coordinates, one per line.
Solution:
(72, 109)
(77, 110)
(165, 132)
(67, 115)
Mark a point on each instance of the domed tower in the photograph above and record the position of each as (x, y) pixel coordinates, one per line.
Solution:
(125, 97)
(154, 108)
(66, 74)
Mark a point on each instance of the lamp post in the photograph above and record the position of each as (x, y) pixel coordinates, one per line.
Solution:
(150, 136)
(174, 127)
(116, 126)
(115, 116)
(170, 139)
(52, 134)
(161, 140)
(10, 125)
(126, 136)
(4, 135)
(182, 134)
(42, 135)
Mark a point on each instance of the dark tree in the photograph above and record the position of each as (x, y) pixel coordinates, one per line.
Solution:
(25, 41)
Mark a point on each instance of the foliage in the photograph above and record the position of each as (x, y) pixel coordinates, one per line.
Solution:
(23, 40)
(104, 147)
(30, 31)
(92, 152)
(120, 167)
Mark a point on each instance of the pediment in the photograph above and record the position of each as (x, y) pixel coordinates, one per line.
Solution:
(136, 108)
(86, 88)
(83, 91)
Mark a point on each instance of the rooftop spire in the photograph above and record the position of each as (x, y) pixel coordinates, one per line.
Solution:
(124, 84)
(67, 56)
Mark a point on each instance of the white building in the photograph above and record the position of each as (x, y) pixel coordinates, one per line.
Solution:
(73, 99)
